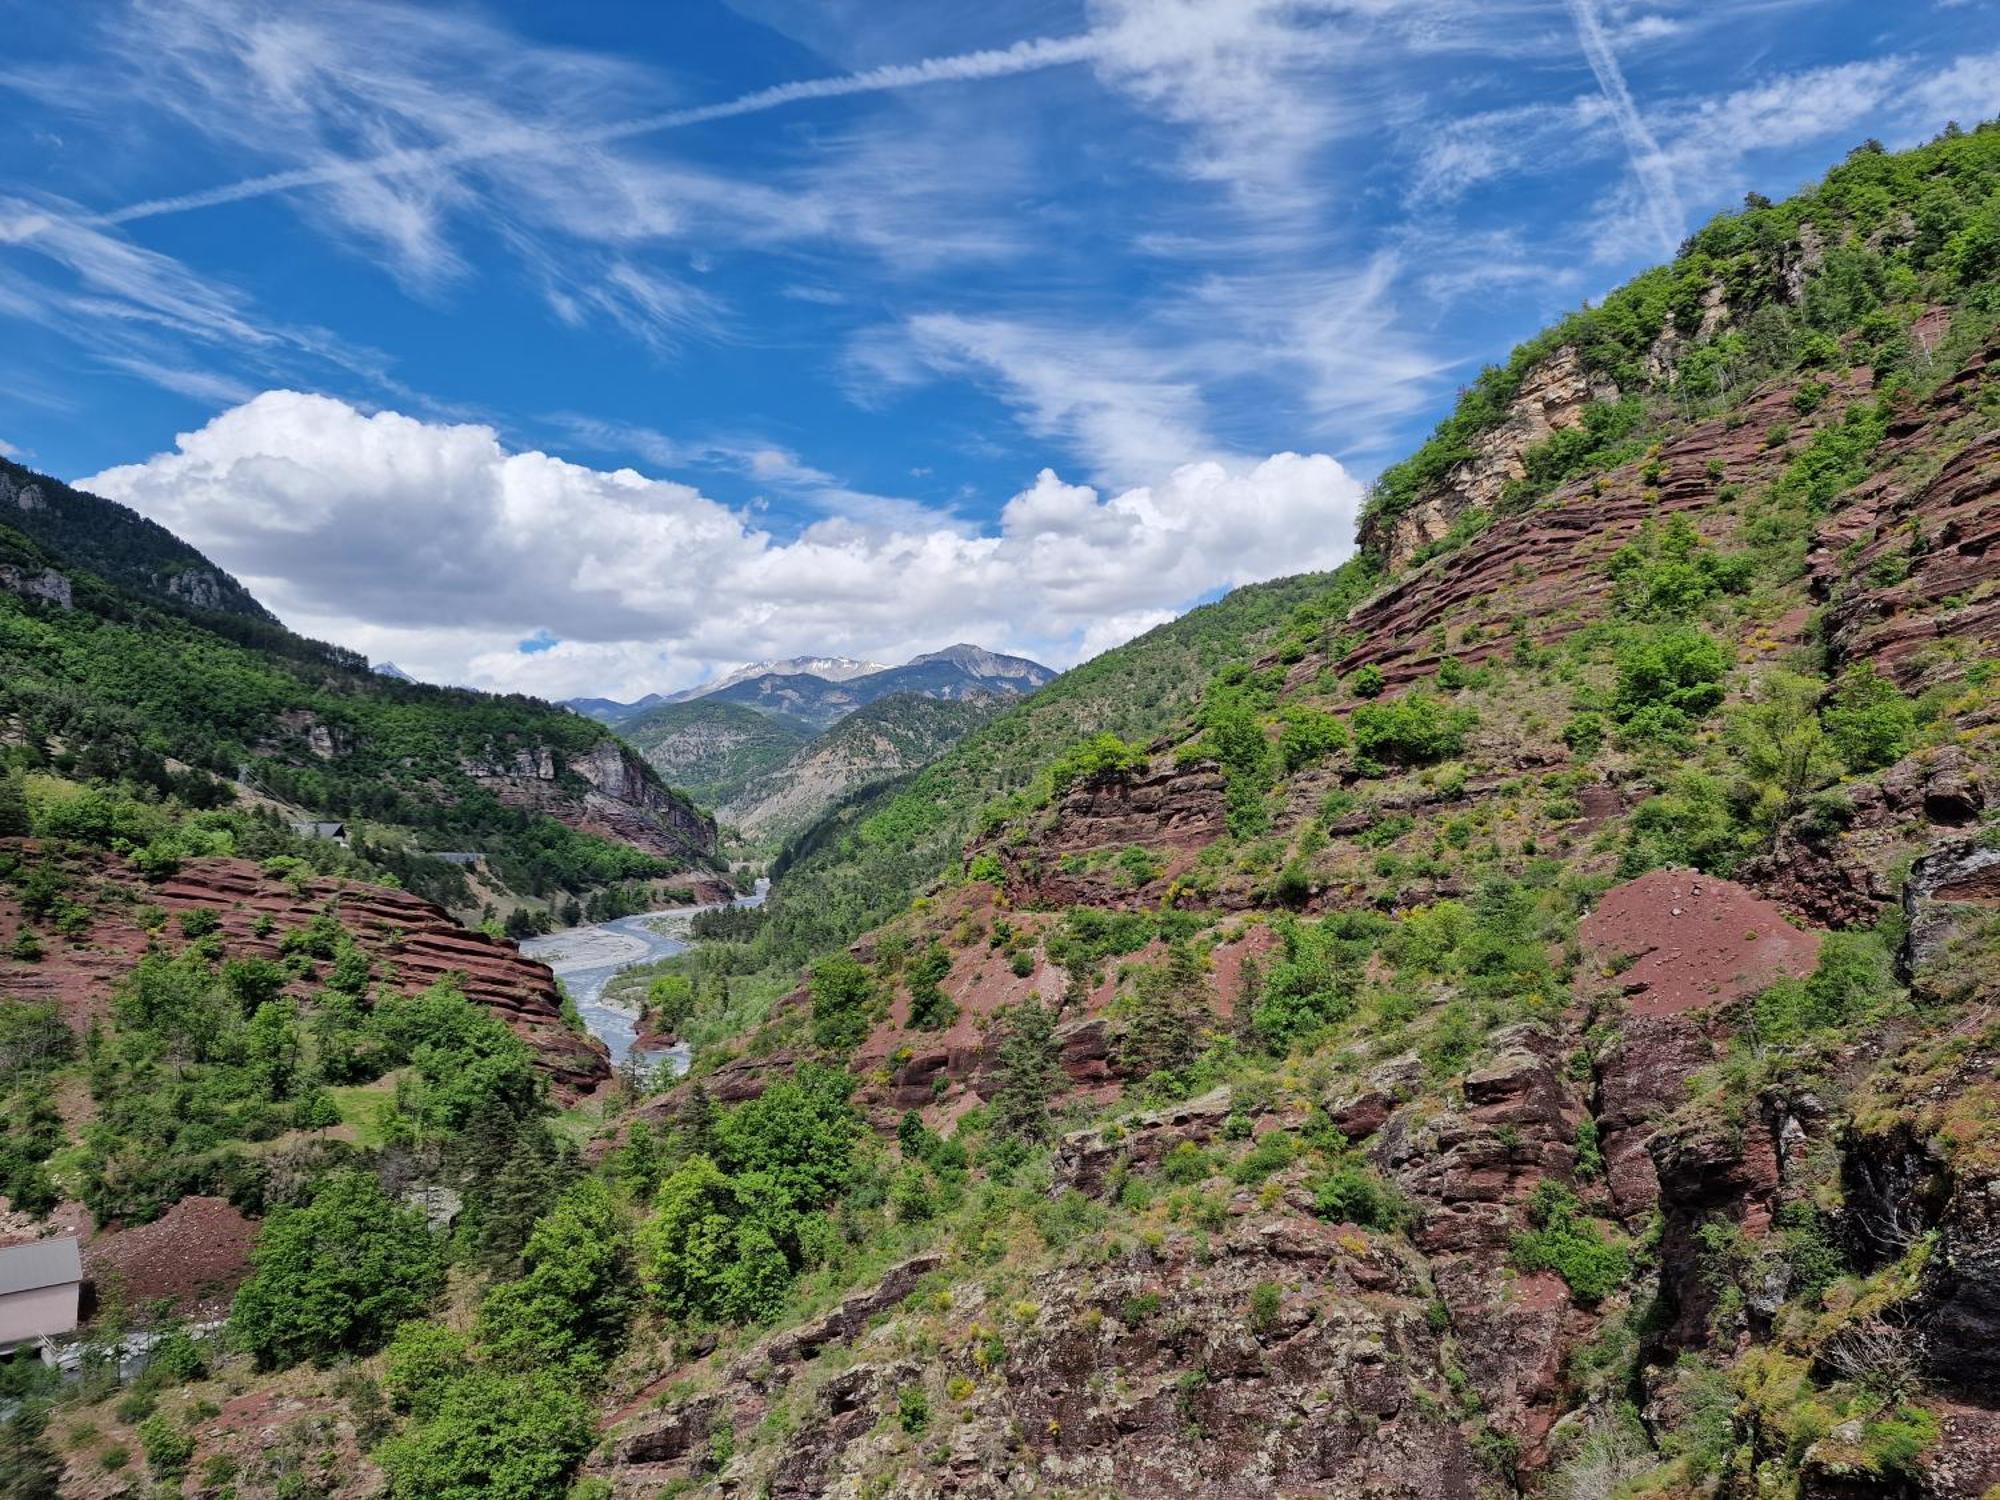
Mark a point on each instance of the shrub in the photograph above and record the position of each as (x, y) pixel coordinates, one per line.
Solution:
(1366, 682)
(1265, 1302)
(1869, 720)
(492, 1437)
(1415, 729)
(336, 1276)
(841, 994)
(1307, 736)
(422, 1359)
(930, 1008)
(1272, 1152)
(199, 922)
(913, 1410)
(1565, 1242)
(1099, 757)
(1853, 976)
(1354, 1194)
(1681, 668)
(168, 1446)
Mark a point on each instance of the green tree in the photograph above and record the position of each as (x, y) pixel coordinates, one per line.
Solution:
(1780, 749)
(713, 1251)
(931, 1009)
(841, 994)
(1869, 720)
(29, 1467)
(13, 806)
(670, 1001)
(1030, 1073)
(1310, 984)
(799, 1132)
(1173, 1010)
(1680, 668)
(335, 1276)
(420, 1362)
(492, 1436)
(571, 1304)
(1307, 736)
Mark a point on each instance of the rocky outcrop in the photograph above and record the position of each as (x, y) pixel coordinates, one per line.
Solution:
(1909, 567)
(609, 791)
(1339, 1390)
(1952, 897)
(1085, 1159)
(1552, 397)
(1545, 567)
(43, 586)
(1173, 812)
(852, 1315)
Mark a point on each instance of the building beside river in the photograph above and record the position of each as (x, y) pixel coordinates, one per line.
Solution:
(41, 1292)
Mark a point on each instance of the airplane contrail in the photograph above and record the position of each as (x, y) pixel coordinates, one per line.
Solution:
(1029, 56)
(1663, 201)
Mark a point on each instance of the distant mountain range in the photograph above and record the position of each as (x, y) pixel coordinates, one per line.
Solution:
(771, 749)
(814, 692)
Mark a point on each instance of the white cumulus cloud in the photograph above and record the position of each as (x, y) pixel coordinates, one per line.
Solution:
(434, 544)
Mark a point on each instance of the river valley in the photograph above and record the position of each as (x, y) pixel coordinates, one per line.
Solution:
(587, 959)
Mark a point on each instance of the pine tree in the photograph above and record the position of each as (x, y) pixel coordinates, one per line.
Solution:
(697, 1121)
(1165, 1033)
(13, 806)
(1030, 1073)
(1076, 991)
(1249, 990)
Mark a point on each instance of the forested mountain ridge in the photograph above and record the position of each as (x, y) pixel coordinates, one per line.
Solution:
(1512, 1016)
(196, 695)
(119, 545)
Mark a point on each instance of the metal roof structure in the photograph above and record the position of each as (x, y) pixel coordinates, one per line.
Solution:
(38, 1264)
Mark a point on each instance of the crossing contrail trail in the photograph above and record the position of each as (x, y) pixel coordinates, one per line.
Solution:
(1656, 179)
(1029, 56)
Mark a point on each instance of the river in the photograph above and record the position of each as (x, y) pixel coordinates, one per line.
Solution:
(587, 959)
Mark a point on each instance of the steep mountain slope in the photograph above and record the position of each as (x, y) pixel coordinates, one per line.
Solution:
(1529, 1027)
(1514, 1016)
(147, 689)
(120, 546)
(957, 672)
(869, 856)
(712, 749)
(888, 737)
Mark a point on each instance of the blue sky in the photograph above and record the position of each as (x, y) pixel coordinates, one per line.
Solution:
(662, 337)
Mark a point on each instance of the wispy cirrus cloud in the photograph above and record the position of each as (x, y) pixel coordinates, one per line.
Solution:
(1649, 163)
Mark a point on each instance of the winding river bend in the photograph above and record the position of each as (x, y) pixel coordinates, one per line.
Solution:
(587, 959)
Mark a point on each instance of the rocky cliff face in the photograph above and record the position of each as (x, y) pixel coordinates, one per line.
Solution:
(608, 791)
(1551, 398)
